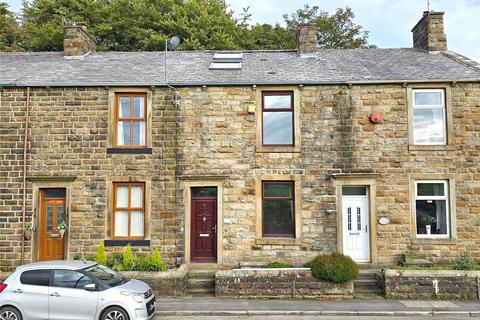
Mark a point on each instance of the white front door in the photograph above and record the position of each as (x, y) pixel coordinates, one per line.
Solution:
(356, 223)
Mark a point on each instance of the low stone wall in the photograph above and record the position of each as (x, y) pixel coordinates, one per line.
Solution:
(431, 284)
(164, 284)
(292, 283)
(4, 275)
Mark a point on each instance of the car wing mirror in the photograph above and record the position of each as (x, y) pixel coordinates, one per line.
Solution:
(91, 287)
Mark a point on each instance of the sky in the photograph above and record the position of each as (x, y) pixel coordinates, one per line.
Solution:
(388, 21)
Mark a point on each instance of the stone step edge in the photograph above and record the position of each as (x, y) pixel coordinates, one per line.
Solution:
(399, 313)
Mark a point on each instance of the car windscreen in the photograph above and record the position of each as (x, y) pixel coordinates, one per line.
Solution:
(106, 275)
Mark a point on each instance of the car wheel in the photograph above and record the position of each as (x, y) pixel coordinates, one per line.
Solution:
(114, 313)
(9, 313)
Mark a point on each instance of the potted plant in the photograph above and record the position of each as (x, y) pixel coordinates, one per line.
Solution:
(428, 221)
(62, 228)
(27, 235)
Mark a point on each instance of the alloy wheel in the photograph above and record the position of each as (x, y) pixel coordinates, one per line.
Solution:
(9, 315)
(112, 315)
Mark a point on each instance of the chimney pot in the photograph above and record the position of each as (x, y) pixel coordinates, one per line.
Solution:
(307, 41)
(429, 34)
(77, 40)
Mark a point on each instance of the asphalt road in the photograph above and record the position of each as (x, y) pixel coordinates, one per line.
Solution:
(308, 318)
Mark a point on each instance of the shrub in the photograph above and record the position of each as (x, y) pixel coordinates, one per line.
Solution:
(89, 258)
(278, 265)
(76, 257)
(156, 261)
(101, 256)
(127, 257)
(464, 263)
(335, 267)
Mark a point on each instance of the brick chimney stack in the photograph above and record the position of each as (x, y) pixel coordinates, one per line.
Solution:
(77, 41)
(307, 41)
(429, 34)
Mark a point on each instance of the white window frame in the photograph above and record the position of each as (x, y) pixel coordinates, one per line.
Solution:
(447, 207)
(443, 107)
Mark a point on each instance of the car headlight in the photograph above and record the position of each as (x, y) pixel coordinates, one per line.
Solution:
(138, 298)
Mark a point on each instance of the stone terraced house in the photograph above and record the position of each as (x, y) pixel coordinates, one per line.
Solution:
(241, 157)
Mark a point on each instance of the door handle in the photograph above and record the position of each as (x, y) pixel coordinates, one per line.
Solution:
(55, 294)
(366, 228)
(215, 228)
(18, 291)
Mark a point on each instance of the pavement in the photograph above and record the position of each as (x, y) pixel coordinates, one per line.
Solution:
(211, 307)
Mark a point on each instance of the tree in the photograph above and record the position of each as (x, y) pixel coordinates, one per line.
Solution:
(334, 31)
(10, 32)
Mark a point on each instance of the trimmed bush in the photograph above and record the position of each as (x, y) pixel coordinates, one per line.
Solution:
(464, 263)
(336, 267)
(278, 265)
(101, 256)
(127, 257)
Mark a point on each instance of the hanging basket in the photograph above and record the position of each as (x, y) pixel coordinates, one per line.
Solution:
(62, 232)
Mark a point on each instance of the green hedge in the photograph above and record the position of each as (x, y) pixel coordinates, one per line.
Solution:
(335, 267)
(278, 265)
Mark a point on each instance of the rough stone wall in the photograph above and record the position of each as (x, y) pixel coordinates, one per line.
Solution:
(307, 41)
(429, 32)
(216, 137)
(69, 137)
(420, 284)
(77, 41)
(277, 284)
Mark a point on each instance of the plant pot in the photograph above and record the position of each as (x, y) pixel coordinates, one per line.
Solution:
(429, 229)
(407, 257)
(61, 232)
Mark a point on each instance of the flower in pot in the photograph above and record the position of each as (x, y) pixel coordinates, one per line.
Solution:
(62, 228)
(27, 234)
(428, 221)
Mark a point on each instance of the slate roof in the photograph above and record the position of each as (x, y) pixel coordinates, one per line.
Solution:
(185, 68)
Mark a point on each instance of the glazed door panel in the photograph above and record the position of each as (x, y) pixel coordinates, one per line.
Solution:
(51, 243)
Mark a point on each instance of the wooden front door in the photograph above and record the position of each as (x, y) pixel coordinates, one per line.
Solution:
(52, 213)
(204, 224)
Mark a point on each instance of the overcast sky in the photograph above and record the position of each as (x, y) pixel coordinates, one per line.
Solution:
(389, 21)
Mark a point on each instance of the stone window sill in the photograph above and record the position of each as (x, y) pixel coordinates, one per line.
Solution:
(122, 243)
(277, 149)
(278, 241)
(129, 150)
(434, 241)
(442, 147)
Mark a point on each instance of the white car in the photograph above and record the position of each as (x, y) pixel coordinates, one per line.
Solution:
(76, 290)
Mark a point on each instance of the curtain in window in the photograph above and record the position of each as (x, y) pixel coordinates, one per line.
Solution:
(136, 224)
(122, 197)
(121, 223)
(441, 216)
(136, 200)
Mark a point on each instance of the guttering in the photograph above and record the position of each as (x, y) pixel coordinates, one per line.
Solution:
(25, 146)
(236, 83)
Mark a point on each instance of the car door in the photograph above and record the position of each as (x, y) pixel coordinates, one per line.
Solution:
(30, 292)
(68, 297)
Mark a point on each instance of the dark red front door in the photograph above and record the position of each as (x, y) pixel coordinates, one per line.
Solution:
(204, 224)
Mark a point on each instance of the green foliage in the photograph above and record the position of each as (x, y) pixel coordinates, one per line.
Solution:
(336, 267)
(464, 263)
(334, 31)
(101, 256)
(76, 257)
(134, 25)
(151, 262)
(89, 258)
(127, 257)
(278, 265)
(10, 30)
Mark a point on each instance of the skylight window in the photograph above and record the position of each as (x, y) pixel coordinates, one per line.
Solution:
(226, 61)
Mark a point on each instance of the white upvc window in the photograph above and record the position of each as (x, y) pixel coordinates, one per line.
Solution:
(432, 209)
(429, 117)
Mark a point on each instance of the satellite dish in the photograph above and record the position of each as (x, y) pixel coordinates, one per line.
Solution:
(173, 43)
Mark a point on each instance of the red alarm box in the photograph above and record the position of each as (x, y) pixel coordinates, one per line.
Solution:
(375, 118)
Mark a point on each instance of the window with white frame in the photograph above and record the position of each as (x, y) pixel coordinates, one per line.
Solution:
(432, 208)
(429, 117)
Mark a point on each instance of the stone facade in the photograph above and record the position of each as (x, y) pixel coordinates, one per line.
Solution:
(210, 135)
(429, 34)
(432, 284)
(307, 40)
(78, 41)
(278, 284)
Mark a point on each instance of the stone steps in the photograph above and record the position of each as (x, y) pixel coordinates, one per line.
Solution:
(201, 280)
(367, 285)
